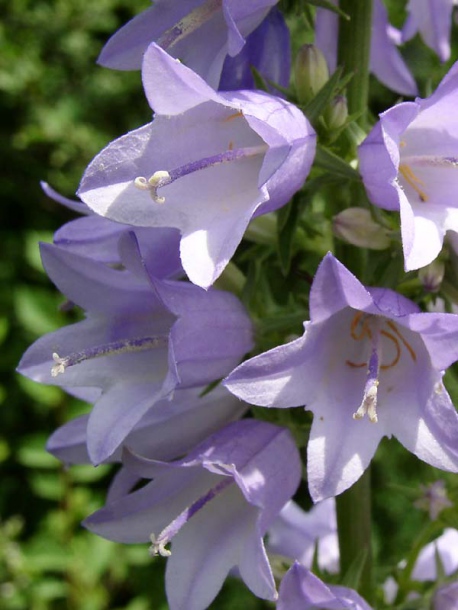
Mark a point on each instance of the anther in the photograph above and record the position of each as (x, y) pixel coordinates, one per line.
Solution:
(158, 548)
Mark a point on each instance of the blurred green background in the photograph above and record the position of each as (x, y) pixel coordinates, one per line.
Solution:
(57, 110)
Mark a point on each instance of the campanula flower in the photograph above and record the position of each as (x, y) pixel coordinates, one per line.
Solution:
(433, 20)
(214, 506)
(369, 365)
(302, 590)
(386, 62)
(409, 163)
(202, 34)
(206, 165)
(141, 339)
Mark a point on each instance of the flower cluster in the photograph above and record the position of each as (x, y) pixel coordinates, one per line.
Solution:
(191, 199)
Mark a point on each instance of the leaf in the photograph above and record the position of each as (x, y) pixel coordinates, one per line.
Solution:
(325, 159)
(352, 576)
(333, 87)
(329, 6)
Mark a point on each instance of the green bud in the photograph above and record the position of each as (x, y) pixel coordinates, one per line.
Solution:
(432, 275)
(310, 72)
(356, 226)
(336, 113)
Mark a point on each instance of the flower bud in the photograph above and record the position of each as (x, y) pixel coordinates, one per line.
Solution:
(336, 113)
(310, 72)
(432, 275)
(356, 226)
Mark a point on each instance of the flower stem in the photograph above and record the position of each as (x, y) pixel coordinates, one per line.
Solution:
(354, 53)
(354, 530)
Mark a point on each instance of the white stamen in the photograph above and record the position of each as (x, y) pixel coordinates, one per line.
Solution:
(158, 179)
(369, 404)
(60, 365)
(158, 548)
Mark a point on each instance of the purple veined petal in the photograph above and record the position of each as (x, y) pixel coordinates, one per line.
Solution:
(446, 597)
(433, 19)
(302, 590)
(267, 49)
(386, 61)
(326, 35)
(166, 432)
(201, 34)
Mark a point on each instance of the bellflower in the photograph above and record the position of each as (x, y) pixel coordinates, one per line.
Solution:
(205, 165)
(433, 19)
(200, 33)
(368, 365)
(215, 505)
(408, 162)
(295, 534)
(302, 590)
(386, 62)
(141, 338)
(446, 597)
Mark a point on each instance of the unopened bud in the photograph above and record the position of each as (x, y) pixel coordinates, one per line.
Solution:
(336, 113)
(356, 226)
(310, 73)
(432, 275)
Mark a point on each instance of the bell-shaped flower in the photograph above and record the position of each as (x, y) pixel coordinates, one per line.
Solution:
(369, 365)
(206, 164)
(446, 597)
(302, 590)
(296, 535)
(141, 338)
(202, 34)
(433, 20)
(386, 62)
(409, 163)
(214, 506)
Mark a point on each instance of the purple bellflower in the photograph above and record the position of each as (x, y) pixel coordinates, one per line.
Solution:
(409, 163)
(446, 547)
(215, 506)
(201, 33)
(141, 338)
(446, 597)
(369, 365)
(433, 19)
(295, 534)
(302, 590)
(386, 62)
(206, 165)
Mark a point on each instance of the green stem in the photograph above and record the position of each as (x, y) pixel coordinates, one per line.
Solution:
(354, 530)
(354, 53)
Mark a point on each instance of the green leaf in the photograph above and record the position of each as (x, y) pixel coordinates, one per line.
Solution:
(333, 87)
(327, 160)
(352, 576)
(287, 223)
(328, 6)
